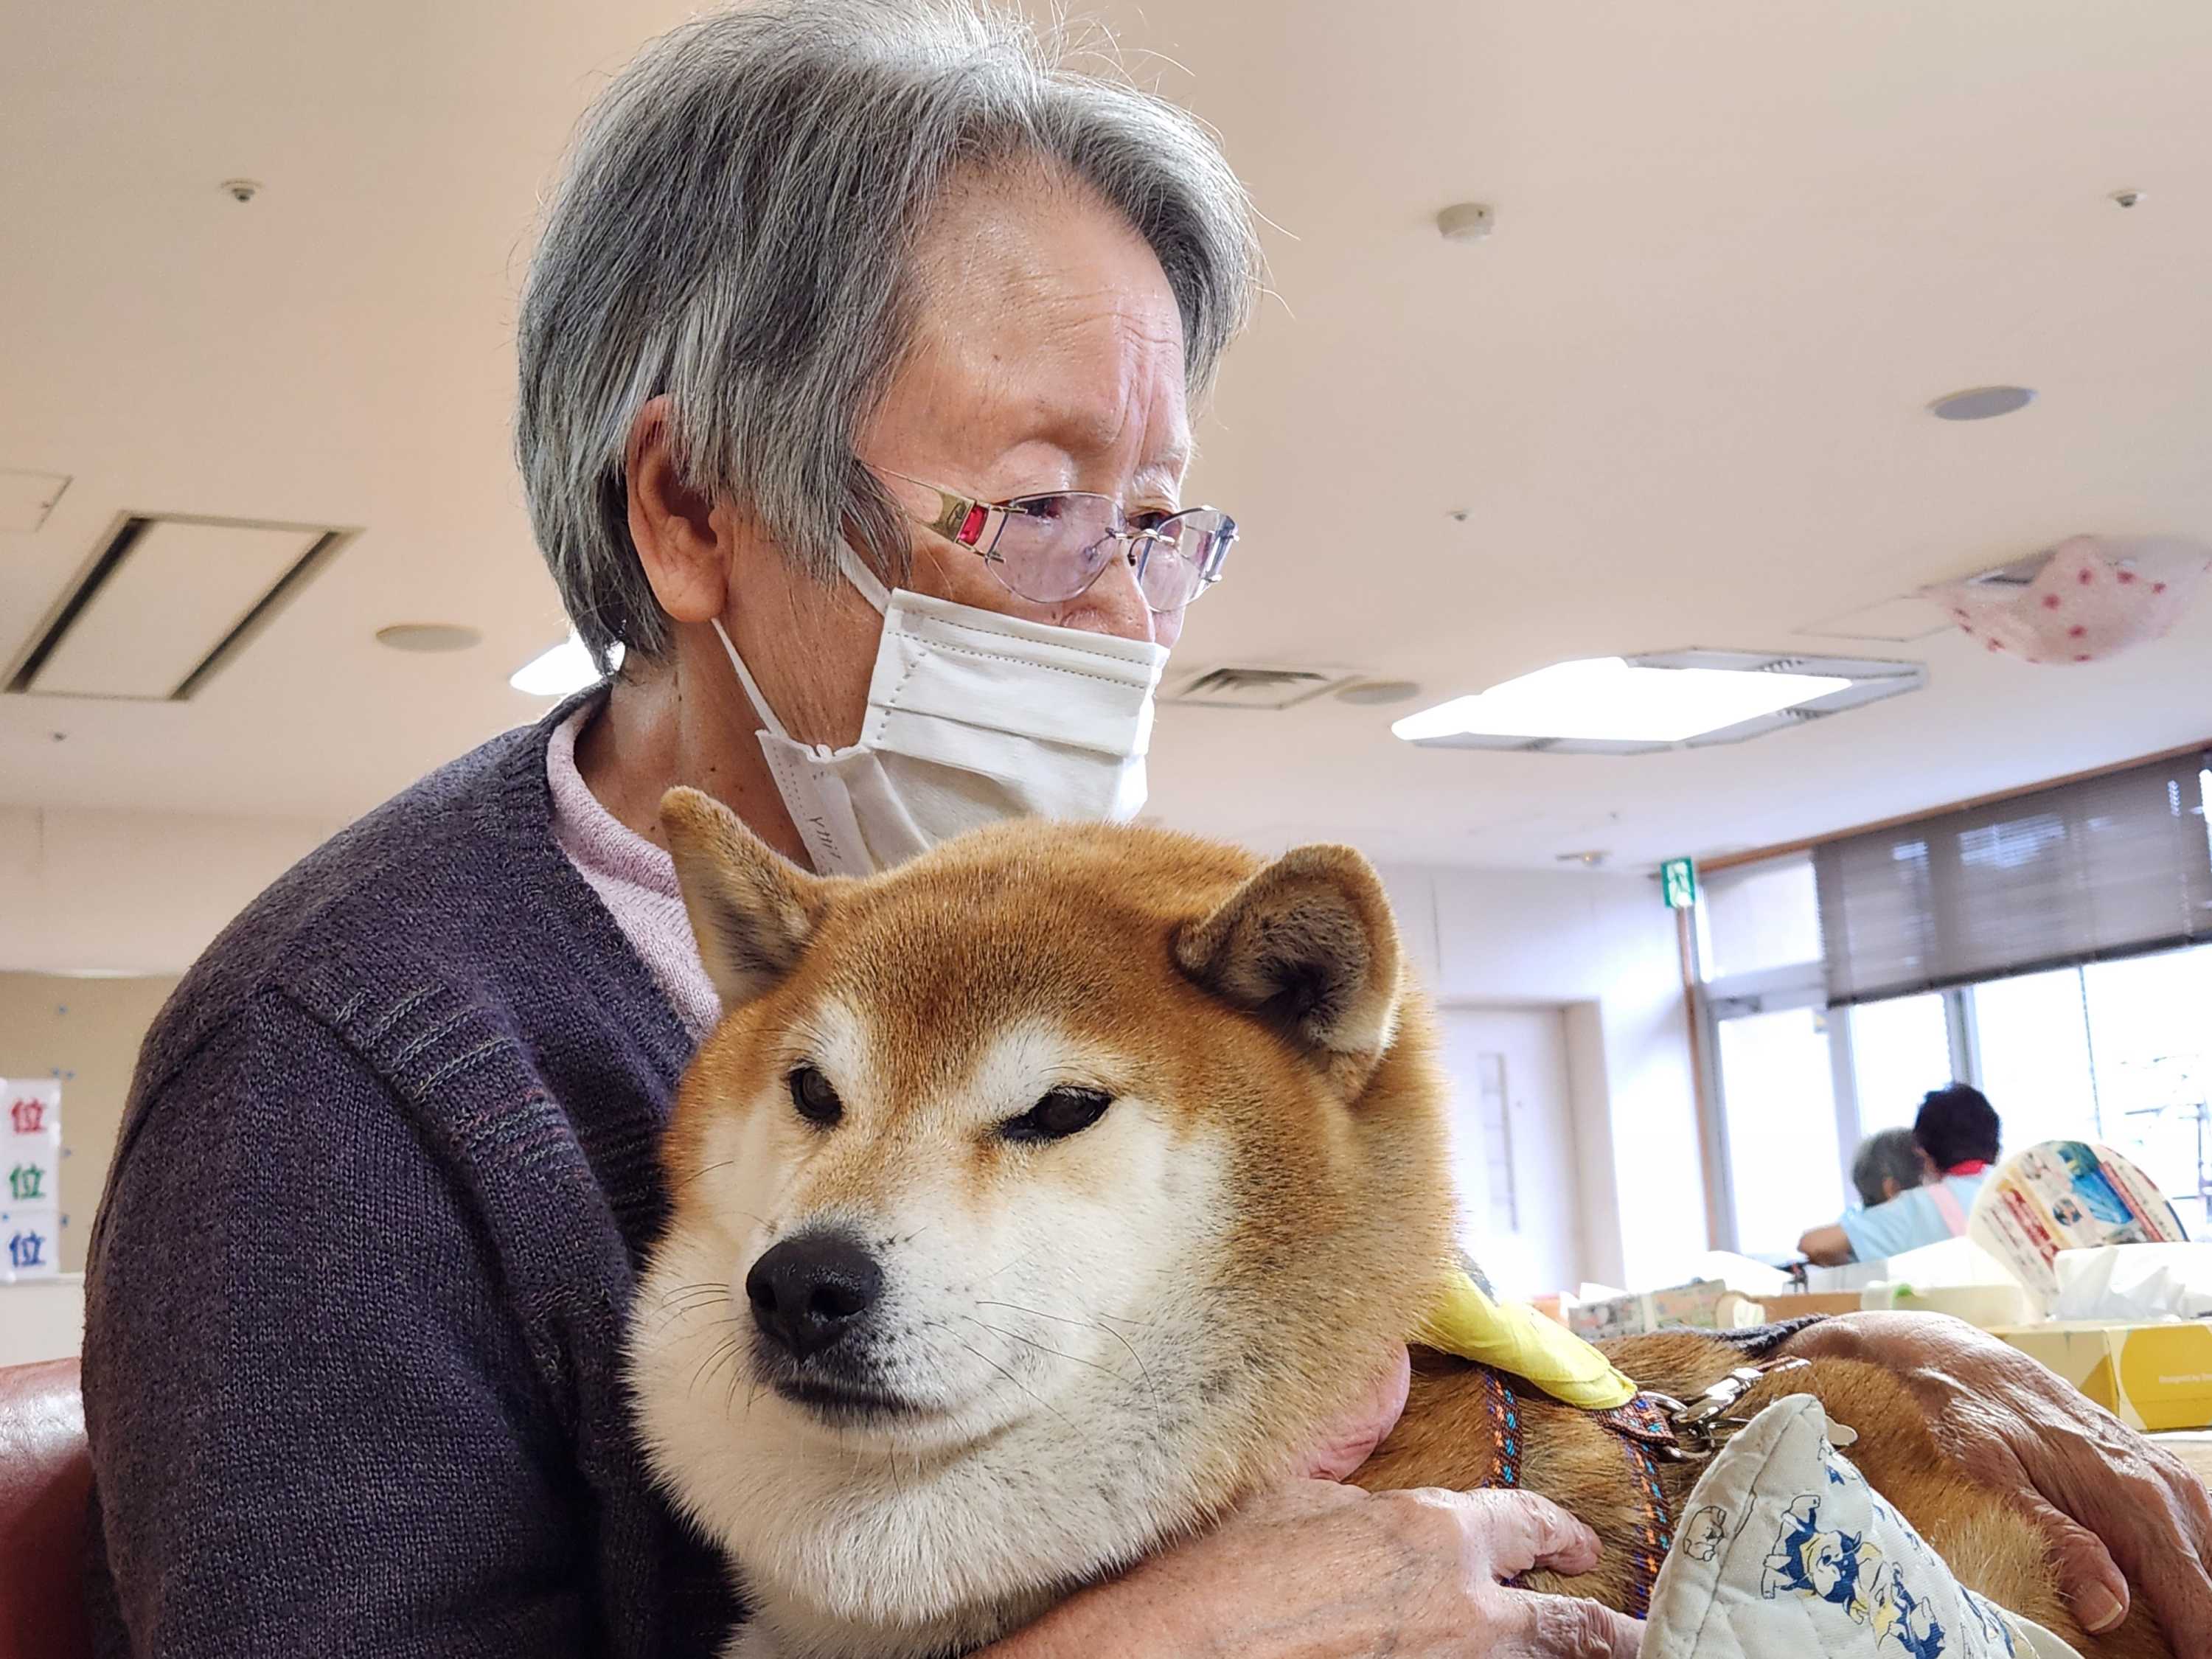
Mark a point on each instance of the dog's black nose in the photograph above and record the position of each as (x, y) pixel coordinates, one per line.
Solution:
(810, 1291)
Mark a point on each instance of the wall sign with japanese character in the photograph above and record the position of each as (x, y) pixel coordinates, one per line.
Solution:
(30, 1177)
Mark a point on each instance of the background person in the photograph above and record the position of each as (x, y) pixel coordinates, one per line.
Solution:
(1886, 1164)
(1958, 1136)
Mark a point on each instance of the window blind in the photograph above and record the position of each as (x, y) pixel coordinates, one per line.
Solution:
(2108, 867)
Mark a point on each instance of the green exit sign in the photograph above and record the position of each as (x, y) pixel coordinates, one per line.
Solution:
(1678, 880)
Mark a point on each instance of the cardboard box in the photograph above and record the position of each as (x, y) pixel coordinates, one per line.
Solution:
(1707, 1305)
(2154, 1378)
(1799, 1305)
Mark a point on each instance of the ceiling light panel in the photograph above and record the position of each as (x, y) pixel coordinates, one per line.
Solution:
(1634, 705)
(164, 602)
(566, 667)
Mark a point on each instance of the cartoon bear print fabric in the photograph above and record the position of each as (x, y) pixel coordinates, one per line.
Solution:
(1786, 1553)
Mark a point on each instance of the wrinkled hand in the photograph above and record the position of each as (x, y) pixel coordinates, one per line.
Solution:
(2117, 1509)
(1312, 1570)
(1316, 1571)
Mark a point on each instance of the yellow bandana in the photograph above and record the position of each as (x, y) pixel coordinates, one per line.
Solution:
(1514, 1338)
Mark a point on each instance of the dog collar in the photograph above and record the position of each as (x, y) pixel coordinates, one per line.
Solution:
(1644, 1436)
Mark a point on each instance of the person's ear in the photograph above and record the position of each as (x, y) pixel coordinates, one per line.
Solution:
(751, 908)
(1890, 1190)
(1309, 946)
(684, 538)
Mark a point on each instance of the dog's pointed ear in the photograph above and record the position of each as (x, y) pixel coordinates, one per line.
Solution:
(1308, 944)
(752, 910)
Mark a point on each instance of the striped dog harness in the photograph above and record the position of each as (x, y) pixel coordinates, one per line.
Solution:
(1646, 1438)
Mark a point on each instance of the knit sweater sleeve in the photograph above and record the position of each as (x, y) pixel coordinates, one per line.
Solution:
(315, 1425)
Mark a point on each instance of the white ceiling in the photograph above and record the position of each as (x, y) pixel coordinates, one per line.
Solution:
(1679, 394)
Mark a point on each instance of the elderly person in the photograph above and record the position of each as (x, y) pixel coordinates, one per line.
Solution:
(1886, 1164)
(853, 325)
(1955, 1138)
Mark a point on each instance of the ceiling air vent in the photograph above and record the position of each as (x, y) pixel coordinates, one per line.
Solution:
(165, 601)
(1256, 687)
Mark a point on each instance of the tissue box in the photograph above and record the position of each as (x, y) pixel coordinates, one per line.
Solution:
(2153, 1378)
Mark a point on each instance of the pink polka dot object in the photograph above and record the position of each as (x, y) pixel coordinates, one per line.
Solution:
(2095, 597)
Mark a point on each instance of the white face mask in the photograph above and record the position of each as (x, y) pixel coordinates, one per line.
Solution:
(973, 717)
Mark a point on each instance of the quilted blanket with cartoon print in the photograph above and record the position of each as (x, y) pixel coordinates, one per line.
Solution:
(1786, 1553)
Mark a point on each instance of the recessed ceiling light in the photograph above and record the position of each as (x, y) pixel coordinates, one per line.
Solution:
(567, 667)
(1375, 693)
(1982, 403)
(1465, 222)
(429, 636)
(1621, 705)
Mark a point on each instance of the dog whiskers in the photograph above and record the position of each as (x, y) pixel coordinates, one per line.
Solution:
(1016, 1381)
(707, 1169)
(1073, 1360)
(685, 1302)
(726, 1348)
(1096, 1322)
(1025, 1256)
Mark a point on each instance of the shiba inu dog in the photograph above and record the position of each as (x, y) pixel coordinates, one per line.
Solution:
(1036, 1202)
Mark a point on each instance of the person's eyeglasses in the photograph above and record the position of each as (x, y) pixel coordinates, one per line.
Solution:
(1052, 548)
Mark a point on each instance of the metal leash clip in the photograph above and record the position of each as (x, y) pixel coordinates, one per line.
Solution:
(1704, 1425)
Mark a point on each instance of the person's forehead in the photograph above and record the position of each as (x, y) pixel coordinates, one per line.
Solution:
(1046, 314)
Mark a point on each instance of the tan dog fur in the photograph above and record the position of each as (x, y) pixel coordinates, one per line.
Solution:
(1102, 1342)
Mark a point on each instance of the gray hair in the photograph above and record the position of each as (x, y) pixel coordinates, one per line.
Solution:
(736, 230)
(1893, 1153)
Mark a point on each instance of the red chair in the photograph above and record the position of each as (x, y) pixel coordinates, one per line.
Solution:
(46, 1488)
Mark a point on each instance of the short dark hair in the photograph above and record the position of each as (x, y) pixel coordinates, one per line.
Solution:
(1957, 1126)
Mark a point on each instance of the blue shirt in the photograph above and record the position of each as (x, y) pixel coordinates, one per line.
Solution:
(1909, 1220)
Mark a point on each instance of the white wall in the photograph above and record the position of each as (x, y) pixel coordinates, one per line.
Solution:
(89, 890)
(1604, 947)
(41, 1319)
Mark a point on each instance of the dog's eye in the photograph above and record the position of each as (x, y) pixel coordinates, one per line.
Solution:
(816, 1101)
(1061, 1113)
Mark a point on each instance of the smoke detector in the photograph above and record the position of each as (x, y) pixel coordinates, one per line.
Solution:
(1465, 222)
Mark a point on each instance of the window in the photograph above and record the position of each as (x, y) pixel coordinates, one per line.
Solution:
(2150, 1044)
(2117, 1051)
(1781, 1127)
(1900, 1049)
(2099, 868)
(2034, 1039)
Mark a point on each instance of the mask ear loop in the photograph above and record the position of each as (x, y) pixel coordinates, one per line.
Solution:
(855, 570)
(745, 679)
